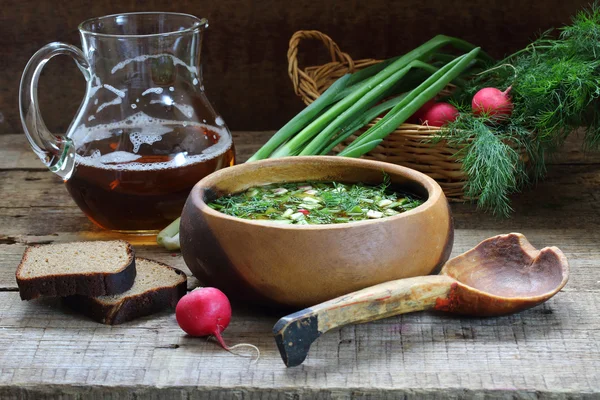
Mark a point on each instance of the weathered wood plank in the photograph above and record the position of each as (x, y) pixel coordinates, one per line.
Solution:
(16, 153)
(33, 189)
(551, 348)
(567, 198)
(573, 152)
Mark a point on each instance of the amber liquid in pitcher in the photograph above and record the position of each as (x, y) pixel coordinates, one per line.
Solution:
(137, 177)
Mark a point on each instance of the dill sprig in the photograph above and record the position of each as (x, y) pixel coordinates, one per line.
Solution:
(489, 158)
(583, 35)
(339, 197)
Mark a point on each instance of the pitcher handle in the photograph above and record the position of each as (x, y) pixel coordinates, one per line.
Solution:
(56, 152)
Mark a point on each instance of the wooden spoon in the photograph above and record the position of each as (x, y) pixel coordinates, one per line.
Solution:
(501, 275)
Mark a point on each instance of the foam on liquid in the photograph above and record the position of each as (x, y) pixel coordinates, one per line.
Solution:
(152, 130)
(175, 60)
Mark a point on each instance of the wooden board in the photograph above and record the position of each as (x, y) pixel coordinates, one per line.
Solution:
(551, 351)
(544, 351)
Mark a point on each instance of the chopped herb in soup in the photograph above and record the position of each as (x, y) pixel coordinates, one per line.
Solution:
(316, 203)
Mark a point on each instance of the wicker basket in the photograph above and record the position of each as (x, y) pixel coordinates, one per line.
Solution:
(408, 145)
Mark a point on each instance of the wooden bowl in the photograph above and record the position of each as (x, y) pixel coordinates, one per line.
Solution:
(301, 265)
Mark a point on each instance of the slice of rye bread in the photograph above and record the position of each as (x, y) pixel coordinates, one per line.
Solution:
(86, 268)
(157, 286)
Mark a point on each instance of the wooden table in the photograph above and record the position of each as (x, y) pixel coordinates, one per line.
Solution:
(551, 351)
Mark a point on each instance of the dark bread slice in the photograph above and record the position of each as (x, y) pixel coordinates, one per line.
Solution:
(157, 286)
(86, 268)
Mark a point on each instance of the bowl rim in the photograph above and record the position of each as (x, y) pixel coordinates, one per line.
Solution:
(434, 190)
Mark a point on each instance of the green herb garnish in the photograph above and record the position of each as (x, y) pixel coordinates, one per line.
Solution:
(316, 202)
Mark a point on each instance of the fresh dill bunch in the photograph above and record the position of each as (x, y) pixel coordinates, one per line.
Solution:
(582, 40)
(494, 167)
(553, 95)
(555, 89)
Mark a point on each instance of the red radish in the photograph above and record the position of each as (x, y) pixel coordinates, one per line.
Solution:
(204, 312)
(493, 102)
(303, 211)
(439, 114)
(417, 116)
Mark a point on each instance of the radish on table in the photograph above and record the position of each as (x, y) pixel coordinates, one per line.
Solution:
(207, 312)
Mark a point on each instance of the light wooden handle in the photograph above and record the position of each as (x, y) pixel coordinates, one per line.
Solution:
(295, 333)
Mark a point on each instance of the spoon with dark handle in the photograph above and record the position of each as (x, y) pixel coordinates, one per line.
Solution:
(501, 275)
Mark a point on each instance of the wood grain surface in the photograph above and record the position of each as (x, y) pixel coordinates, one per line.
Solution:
(549, 352)
(244, 54)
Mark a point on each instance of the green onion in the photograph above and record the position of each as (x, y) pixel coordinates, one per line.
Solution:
(443, 57)
(322, 121)
(374, 95)
(361, 121)
(319, 143)
(360, 77)
(432, 70)
(368, 72)
(362, 149)
(300, 120)
(411, 103)
(365, 73)
(169, 237)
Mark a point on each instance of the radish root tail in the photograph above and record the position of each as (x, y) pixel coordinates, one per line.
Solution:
(256, 349)
(219, 339)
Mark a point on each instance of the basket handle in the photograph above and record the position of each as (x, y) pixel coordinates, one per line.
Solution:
(295, 73)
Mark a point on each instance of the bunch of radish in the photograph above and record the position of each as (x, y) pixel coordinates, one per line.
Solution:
(490, 102)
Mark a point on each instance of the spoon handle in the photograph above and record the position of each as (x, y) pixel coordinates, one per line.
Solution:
(295, 333)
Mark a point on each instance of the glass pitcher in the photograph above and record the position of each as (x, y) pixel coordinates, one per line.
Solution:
(145, 132)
